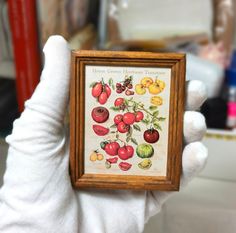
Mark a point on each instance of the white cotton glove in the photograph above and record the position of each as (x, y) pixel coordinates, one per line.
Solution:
(37, 195)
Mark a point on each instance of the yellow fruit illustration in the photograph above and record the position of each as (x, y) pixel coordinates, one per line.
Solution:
(154, 88)
(157, 87)
(140, 89)
(146, 81)
(100, 157)
(93, 156)
(161, 84)
(156, 100)
(145, 164)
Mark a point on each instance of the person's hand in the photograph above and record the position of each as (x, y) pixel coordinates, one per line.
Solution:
(37, 195)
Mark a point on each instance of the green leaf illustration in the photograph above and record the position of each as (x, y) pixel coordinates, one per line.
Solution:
(128, 139)
(157, 126)
(130, 131)
(116, 109)
(126, 102)
(161, 118)
(128, 134)
(152, 107)
(145, 121)
(110, 81)
(136, 127)
(156, 113)
(113, 126)
(134, 141)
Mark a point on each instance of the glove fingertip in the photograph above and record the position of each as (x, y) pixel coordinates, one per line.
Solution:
(194, 126)
(55, 42)
(194, 159)
(196, 94)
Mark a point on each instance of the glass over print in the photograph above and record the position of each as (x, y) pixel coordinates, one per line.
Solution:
(126, 118)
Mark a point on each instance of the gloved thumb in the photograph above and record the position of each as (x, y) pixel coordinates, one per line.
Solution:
(52, 93)
(40, 127)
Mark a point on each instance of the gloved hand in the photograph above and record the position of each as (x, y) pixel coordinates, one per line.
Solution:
(37, 195)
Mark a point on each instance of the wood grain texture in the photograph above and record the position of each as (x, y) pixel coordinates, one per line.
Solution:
(174, 61)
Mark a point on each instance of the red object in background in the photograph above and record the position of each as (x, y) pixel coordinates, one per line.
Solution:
(23, 21)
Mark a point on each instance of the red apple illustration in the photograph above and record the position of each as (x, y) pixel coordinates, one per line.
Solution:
(100, 114)
(151, 135)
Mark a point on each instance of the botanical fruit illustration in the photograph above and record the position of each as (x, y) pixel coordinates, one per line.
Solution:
(125, 152)
(136, 127)
(156, 87)
(128, 92)
(118, 118)
(93, 156)
(140, 89)
(100, 157)
(153, 86)
(125, 86)
(156, 100)
(151, 135)
(101, 91)
(97, 89)
(119, 102)
(124, 166)
(138, 116)
(96, 156)
(102, 99)
(133, 113)
(112, 160)
(122, 127)
(145, 164)
(100, 114)
(112, 148)
(100, 130)
(107, 90)
(146, 81)
(145, 150)
(129, 118)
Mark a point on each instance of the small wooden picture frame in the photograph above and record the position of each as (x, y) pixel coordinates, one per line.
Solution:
(126, 120)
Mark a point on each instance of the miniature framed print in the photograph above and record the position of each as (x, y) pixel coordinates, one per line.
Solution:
(126, 117)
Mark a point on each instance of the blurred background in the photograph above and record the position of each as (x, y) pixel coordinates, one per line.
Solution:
(203, 29)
